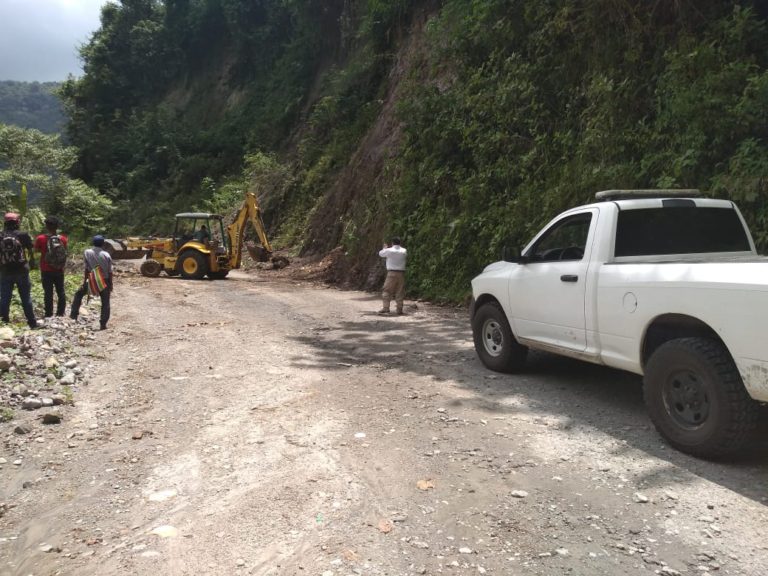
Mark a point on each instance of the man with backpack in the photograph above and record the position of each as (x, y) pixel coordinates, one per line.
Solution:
(53, 258)
(16, 258)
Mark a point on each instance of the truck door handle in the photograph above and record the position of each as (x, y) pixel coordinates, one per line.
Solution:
(569, 278)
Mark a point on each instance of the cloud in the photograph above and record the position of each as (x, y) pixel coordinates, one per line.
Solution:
(39, 38)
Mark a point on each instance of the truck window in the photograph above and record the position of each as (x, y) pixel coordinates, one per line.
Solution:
(679, 230)
(566, 240)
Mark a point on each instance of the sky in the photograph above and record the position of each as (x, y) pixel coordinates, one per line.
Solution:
(39, 38)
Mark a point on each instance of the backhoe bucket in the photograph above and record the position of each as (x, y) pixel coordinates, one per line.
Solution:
(258, 253)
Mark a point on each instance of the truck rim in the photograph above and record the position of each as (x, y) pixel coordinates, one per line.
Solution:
(189, 265)
(493, 337)
(686, 399)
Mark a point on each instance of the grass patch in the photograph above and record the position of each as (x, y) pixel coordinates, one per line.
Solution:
(6, 415)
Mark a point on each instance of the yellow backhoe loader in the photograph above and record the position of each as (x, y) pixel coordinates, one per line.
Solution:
(201, 244)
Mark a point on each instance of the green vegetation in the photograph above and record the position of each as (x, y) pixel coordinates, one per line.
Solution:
(31, 105)
(34, 182)
(509, 112)
(531, 107)
(6, 414)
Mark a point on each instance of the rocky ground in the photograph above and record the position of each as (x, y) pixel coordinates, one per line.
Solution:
(267, 425)
(41, 369)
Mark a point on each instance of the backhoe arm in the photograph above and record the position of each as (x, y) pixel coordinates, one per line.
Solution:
(249, 212)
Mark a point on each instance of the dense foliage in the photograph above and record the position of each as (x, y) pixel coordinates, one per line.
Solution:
(175, 93)
(532, 107)
(34, 181)
(512, 111)
(31, 105)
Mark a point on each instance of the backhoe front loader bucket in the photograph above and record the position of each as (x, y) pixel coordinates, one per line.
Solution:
(119, 251)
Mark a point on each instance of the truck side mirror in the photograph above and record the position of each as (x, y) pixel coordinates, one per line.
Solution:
(511, 254)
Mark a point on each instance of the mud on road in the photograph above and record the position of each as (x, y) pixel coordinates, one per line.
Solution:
(264, 426)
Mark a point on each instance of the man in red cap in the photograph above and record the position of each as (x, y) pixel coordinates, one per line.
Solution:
(16, 258)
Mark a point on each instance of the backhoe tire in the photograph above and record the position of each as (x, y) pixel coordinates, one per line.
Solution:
(697, 400)
(220, 275)
(151, 268)
(192, 265)
(494, 342)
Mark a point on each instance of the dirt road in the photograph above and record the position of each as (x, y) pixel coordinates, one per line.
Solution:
(256, 426)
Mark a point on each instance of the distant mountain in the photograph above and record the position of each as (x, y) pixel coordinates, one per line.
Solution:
(31, 105)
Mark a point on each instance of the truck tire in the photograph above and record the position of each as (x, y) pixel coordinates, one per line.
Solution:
(696, 398)
(220, 275)
(151, 268)
(192, 265)
(494, 342)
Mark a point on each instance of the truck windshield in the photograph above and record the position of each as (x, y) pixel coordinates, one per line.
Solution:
(679, 230)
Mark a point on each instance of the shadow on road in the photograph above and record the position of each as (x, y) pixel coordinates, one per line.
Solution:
(439, 346)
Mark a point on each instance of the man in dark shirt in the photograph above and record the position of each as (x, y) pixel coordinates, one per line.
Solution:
(14, 271)
(202, 235)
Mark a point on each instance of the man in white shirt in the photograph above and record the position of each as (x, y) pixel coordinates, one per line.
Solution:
(394, 285)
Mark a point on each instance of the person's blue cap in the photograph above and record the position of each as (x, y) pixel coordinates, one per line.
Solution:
(98, 240)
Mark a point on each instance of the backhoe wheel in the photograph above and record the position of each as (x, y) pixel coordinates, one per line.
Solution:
(192, 265)
(696, 398)
(151, 268)
(494, 342)
(220, 275)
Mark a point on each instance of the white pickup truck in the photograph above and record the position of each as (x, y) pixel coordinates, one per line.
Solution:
(661, 283)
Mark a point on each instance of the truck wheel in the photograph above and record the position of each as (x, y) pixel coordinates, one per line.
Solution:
(151, 268)
(220, 275)
(494, 342)
(192, 265)
(696, 398)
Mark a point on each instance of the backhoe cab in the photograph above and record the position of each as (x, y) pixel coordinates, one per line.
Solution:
(201, 244)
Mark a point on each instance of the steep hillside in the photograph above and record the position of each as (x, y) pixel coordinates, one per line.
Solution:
(459, 125)
(31, 105)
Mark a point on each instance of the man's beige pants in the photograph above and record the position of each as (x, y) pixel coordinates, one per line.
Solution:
(394, 287)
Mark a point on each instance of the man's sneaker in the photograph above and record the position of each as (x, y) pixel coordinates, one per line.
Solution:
(400, 312)
(383, 312)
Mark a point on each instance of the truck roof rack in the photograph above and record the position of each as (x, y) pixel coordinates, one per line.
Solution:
(607, 195)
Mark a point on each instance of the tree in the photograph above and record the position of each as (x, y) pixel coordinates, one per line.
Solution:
(37, 162)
